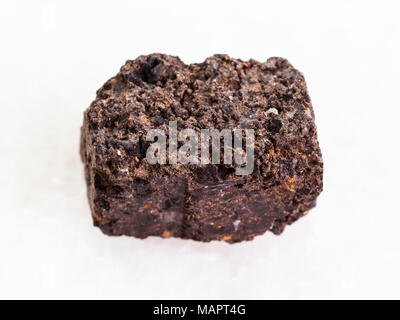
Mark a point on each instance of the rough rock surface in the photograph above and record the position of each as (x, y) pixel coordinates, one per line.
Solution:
(128, 196)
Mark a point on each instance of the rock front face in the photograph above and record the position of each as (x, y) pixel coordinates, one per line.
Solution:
(129, 195)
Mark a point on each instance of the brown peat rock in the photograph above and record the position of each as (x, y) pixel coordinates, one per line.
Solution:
(130, 196)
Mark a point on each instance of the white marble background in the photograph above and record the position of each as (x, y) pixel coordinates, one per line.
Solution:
(56, 54)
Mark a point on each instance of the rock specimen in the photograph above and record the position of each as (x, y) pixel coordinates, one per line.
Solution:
(130, 196)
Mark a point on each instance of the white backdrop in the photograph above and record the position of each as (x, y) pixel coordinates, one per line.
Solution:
(56, 54)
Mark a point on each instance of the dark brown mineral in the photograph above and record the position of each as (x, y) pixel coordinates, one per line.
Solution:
(130, 196)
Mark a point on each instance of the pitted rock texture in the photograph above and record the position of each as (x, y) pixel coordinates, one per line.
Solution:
(128, 196)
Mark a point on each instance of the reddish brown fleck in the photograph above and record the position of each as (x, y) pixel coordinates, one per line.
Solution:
(97, 217)
(166, 234)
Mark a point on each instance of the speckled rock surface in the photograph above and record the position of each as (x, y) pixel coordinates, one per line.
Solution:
(128, 196)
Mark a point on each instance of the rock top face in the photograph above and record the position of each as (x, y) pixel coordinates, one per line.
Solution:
(128, 195)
